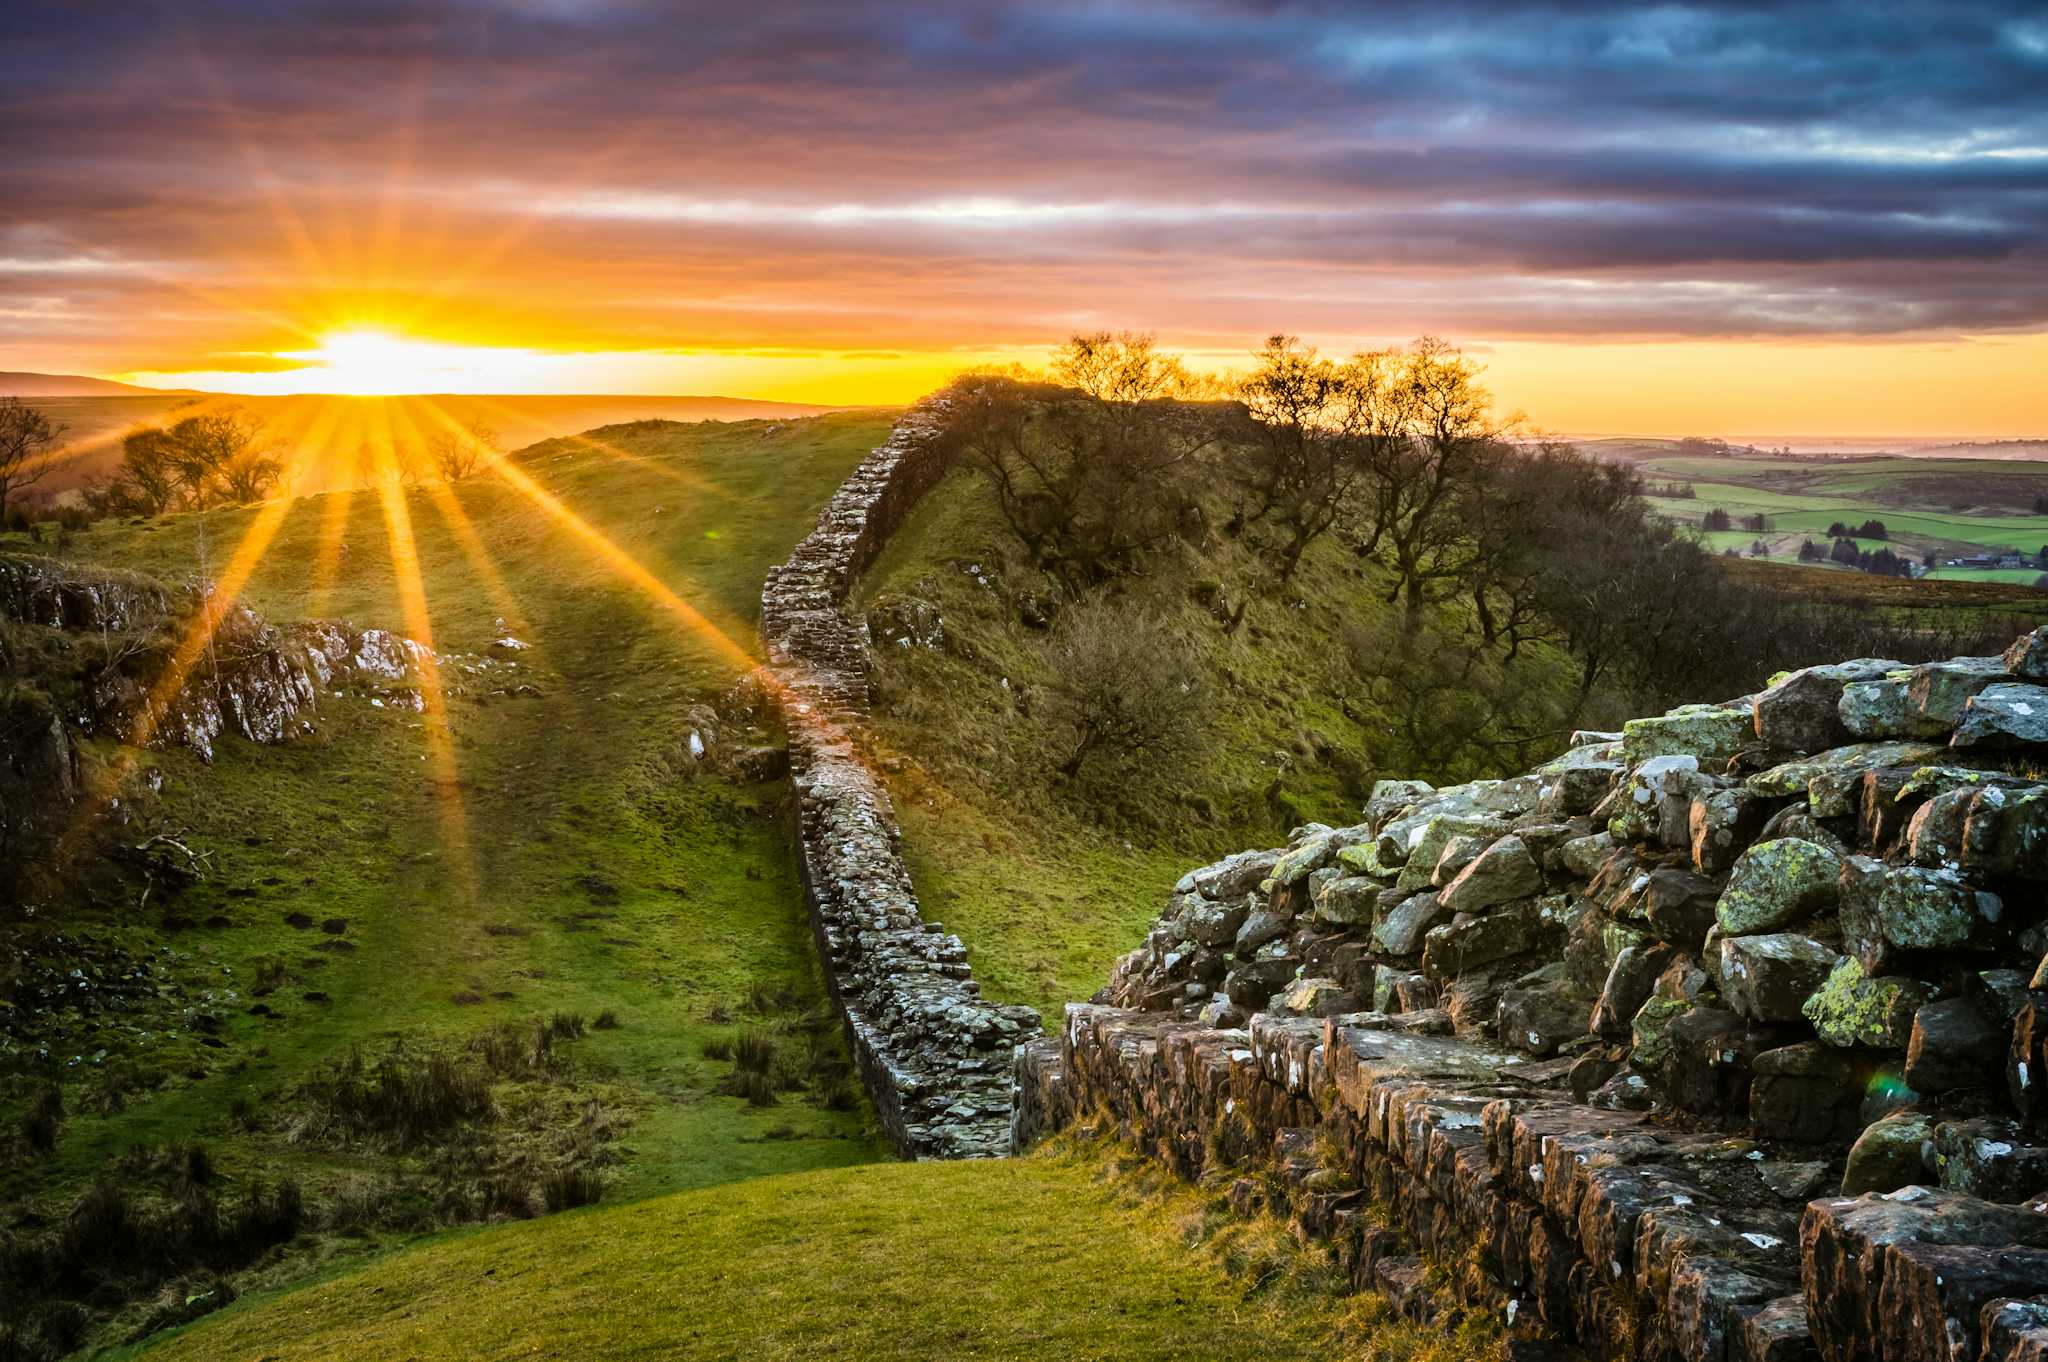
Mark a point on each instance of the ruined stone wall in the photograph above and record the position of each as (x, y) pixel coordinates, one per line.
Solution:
(934, 1056)
(1719, 1037)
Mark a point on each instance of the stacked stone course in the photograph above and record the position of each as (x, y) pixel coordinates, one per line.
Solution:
(1723, 1036)
(933, 1055)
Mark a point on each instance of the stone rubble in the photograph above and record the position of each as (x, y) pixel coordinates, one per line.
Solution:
(934, 1056)
(1724, 1036)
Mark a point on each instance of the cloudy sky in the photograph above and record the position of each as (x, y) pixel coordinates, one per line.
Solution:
(1645, 218)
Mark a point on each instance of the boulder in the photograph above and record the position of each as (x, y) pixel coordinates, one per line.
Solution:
(1259, 927)
(1346, 901)
(1539, 1020)
(1806, 1092)
(1400, 930)
(2005, 715)
(1877, 709)
(1231, 878)
(1458, 853)
(1630, 981)
(1680, 907)
(1505, 871)
(1802, 712)
(1890, 1153)
(1581, 856)
(1296, 864)
(1855, 1008)
(1890, 909)
(1938, 693)
(1210, 923)
(1424, 842)
(1989, 1157)
(1790, 779)
(1455, 947)
(1317, 998)
(1702, 732)
(1249, 985)
(2027, 658)
(1389, 797)
(1954, 1045)
(1776, 884)
(1720, 825)
(1769, 978)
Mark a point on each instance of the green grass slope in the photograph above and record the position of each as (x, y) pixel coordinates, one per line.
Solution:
(599, 872)
(1022, 1258)
(1043, 884)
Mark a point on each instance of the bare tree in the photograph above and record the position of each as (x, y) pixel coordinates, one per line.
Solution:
(219, 458)
(1089, 474)
(148, 475)
(1128, 692)
(458, 453)
(1415, 480)
(1316, 431)
(28, 444)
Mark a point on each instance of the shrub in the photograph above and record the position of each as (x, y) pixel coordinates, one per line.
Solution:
(607, 1020)
(43, 1119)
(567, 1188)
(718, 1048)
(1126, 693)
(756, 1051)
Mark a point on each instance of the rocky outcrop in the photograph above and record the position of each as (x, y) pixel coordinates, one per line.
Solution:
(89, 651)
(935, 1057)
(1721, 1036)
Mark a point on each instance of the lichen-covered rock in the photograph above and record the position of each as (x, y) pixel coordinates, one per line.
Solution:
(1890, 1153)
(1778, 884)
(1721, 823)
(1230, 878)
(1802, 712)
(2006, 715)
(1210, 923)
(1889, 909)
(1581, 856)
(1513, 930)
(1702, 732)
(1346, 901)
(1791, 779)
(1299, 861)
(1401, 929)
(1938, 693)
(2027, 658)
(1768, 978)
(1854, 1008)
(1878, 709)
(1539, 1020)
(1505, 871)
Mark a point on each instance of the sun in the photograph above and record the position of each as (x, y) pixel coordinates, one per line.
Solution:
(368, 361)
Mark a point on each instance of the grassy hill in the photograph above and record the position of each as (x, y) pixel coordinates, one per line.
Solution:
(94, 424)
(871, 1263)
(1048, 879)
(580, 865)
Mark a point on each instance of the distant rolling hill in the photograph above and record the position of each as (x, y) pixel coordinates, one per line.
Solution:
(334, 427)
(68, 385)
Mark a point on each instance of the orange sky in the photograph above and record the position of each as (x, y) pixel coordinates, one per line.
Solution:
(1709, 219)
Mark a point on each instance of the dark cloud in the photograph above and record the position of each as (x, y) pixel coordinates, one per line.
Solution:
(1518, 169)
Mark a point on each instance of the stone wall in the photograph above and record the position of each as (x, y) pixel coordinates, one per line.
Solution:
(1719, 1037)
(934, 1056)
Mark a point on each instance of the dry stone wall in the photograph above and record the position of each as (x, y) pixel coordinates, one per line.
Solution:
(935, 1057)
(1719, 1037)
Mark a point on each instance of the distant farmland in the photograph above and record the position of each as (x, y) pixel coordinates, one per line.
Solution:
(1949, 506)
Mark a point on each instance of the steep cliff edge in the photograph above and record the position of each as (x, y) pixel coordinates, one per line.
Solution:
(1720, 1036)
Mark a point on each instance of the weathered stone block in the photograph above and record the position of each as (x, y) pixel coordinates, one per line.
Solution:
(1778, 884)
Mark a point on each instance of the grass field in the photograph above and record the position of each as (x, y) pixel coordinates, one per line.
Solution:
(873, 1263)
(93, 426)
(578, 865)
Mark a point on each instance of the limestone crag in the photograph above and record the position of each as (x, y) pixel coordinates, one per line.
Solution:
(1720, 1037)
(934, 1056)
